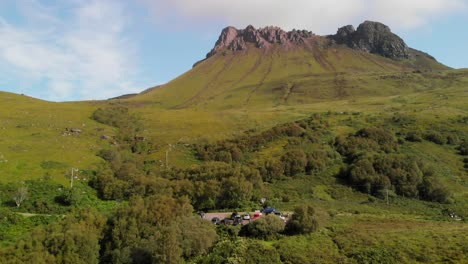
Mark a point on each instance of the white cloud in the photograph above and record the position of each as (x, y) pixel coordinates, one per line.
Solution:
(81, 56)
(321, 16)
(413, 13)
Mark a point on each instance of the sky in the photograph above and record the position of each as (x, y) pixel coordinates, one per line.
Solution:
(66, 50)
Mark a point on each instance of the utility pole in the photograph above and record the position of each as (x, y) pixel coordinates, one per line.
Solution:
(72, 176)
(386, 194)
(167, 155)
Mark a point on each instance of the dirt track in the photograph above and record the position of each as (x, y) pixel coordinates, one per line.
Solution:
(222, 215)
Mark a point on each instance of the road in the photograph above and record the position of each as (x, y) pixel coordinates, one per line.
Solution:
(222, 215)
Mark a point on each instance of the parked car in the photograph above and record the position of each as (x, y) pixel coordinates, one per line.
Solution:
(282, 218)
(237, 221)
(256, 215)
(227, 221)
(215, 220)
(246, 216)
(269, 210)
(235, 215)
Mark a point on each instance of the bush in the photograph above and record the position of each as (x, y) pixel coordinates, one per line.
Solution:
(266, 227)
(69, 197)
(463, 148)
(112, 116)
(372, 174)
(414, 137)
(376, 255)
(257, 253)
(294, 162)
(379, 135)
(364, 141)
(436, 137)
(303, 221)
(272, 170)
(433, 190)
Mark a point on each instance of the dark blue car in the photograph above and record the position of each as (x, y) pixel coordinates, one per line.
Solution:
(269, 210)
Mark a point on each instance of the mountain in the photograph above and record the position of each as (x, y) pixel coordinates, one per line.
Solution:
(363, 137)
(269, 66)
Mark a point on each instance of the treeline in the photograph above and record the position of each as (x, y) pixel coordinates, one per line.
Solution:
(227, 178)
(313, 129)
(373, 162)
(126, 170)
(376, 166)
(126, 174)
(42, 196)
(157, 229)
(232, 174)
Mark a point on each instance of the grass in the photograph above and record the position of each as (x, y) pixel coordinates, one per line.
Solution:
(34, 133)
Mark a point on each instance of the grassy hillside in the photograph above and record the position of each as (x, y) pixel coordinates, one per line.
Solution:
(260, 78)
(36, 138)
(34, 131)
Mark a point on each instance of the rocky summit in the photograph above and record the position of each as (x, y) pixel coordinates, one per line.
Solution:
(234, 39)
(371, 37)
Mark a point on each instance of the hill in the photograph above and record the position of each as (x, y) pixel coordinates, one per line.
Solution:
(39, 137)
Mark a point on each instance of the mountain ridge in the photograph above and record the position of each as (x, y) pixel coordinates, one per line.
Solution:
(270, 66)
(372, 37)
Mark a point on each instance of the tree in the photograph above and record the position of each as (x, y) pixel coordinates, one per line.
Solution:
(21, 195)
(303, 221)
(294, 162)
(273, 170)
(433, 190)
(74, 239)
(235, 191)
(158, 229)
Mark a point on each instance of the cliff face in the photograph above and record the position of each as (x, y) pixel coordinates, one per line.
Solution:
(372, 37)
(234, 39)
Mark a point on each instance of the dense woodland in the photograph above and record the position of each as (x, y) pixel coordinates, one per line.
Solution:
(152, 218)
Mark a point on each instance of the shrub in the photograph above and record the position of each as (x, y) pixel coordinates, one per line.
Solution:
(414, 136)
(303, 221)
(453, 139)
(272, 170)
(256, 253)
(266, 227)
(436, 137)
(112, 116)
(379, 135)
(463, 148)
(294, 162)
(433, 190)
(376, 255)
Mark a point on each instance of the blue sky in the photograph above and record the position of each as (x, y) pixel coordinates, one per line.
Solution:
(96, 49)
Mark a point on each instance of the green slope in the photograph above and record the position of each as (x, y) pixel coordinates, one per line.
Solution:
(270, 77)
(34, 140)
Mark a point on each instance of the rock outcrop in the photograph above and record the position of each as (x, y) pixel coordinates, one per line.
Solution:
(373, 37)
(234, 39)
